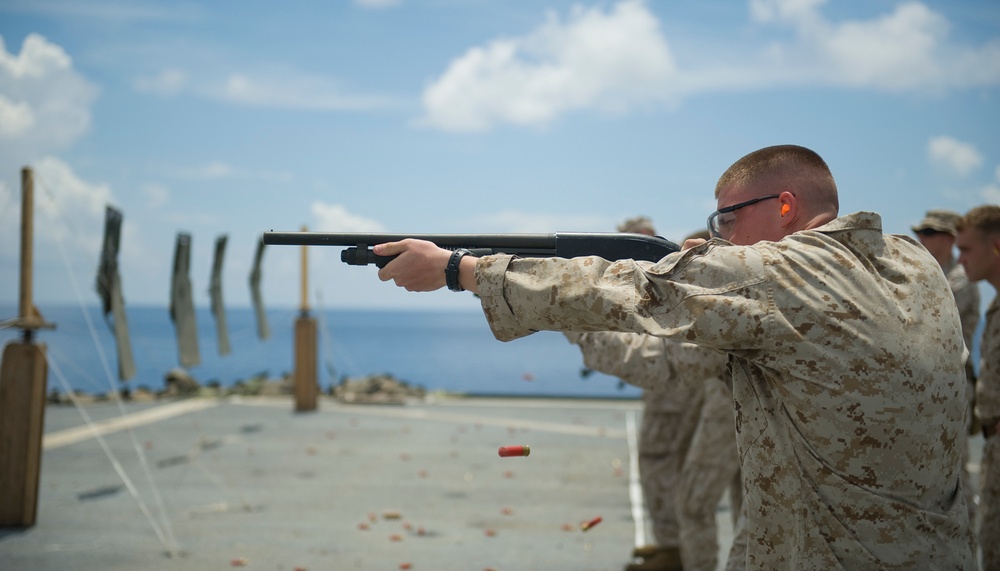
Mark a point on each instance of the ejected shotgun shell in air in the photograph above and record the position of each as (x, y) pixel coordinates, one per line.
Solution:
(589, 524)
(506, 451)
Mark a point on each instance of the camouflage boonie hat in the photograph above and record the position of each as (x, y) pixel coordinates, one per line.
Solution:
(940, 221)
(639, 224)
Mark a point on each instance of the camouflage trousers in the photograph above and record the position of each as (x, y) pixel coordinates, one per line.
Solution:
(968, 486)
(711, 466)
(687, 459)
(738, 551)
(989, 503)
(668, 425)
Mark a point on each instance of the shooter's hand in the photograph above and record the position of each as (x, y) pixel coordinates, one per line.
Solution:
(419, 267)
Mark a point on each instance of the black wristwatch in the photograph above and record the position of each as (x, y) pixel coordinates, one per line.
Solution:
(451, 270)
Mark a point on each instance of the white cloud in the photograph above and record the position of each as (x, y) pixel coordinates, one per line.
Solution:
(954, 154)
(260, 86)
(44, 107)
(44, 102)
(618, 58)
(267, 86)
(903, 50)
(118, 12)
(991, 193)
(285, 89)
(156, 195)
(214, 170)
(595, 59)
(221, 170)
(166, 83)
(802, 11)
(15, 118)
(895, 52)
(38, 58)
(70, 209)
(336, 218)
(376, 3)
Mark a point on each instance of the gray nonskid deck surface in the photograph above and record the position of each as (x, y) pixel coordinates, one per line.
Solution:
(249, 483)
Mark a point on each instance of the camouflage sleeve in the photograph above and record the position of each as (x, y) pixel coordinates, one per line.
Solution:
(967, 299)
(988, 386)
(637, 359)
(647, 361)
(537, 281)
(695, 362)
(716, 296)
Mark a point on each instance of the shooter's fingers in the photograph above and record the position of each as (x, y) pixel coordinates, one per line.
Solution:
(388, 249)
(419, 265)
(391, 248)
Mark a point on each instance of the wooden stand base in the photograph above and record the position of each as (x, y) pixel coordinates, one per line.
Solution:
(305, 375)
(23, 374)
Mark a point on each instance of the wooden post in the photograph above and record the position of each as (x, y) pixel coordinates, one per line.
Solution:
(306, 384)
(22, 415)
(26, 303)
(23, 375)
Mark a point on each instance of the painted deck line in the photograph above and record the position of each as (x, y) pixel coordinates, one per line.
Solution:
(395, 411)
(84, 432)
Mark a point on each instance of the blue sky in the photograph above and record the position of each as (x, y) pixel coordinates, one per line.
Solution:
(461, 116)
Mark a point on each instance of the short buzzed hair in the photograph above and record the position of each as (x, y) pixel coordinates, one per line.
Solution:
(985, 218)
(796, 164)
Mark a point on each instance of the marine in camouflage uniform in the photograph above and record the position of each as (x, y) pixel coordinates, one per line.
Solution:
(687, 446)
(979, 253)
(850, 450)
(937, 232)
(845, 349)
(988, 412)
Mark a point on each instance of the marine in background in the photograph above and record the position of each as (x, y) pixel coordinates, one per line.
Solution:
(687, 441)
(979, 253)
(937, 232)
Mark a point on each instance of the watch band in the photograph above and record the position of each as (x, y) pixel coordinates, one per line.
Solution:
(451, 270)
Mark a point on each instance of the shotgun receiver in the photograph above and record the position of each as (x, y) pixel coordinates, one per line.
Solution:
(608, 245)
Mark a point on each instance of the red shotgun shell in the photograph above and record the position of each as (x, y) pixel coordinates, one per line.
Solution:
(506, 451)
(589, 524)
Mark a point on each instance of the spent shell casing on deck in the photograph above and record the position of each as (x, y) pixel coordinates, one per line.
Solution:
(589, 524)
(506, 451)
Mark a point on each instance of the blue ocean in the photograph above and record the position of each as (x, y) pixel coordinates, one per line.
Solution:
(438, 350)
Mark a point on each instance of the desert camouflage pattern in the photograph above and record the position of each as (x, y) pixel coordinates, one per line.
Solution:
(967, 299)
(737, 560)
(988, 411)
(847, 357)
(669, 419)
(665, 438)
(711, 466)
(687, 444)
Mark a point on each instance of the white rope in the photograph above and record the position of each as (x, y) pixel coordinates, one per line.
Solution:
(107, 451)
(333, 352)
(171, 542)
(76, 369)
